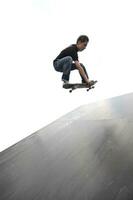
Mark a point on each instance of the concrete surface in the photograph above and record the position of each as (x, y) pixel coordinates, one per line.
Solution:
(85, 155)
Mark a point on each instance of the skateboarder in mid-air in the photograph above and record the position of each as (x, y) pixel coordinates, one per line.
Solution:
(67, 60)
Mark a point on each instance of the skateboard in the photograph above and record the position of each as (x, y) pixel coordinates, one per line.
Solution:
(74, 86)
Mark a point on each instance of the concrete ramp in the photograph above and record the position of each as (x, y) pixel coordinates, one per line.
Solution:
(85, 155)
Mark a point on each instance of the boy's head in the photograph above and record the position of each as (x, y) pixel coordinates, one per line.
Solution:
(82, 42)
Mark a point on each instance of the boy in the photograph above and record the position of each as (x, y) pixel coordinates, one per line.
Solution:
(67, 60)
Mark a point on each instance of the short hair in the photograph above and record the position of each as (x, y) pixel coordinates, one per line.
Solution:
(83, 38)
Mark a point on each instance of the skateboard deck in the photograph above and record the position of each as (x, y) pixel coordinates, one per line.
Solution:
(74, 86)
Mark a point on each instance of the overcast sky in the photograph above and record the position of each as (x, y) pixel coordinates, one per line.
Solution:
(33, 33)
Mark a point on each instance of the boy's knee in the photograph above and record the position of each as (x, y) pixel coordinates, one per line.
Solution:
(69, 59)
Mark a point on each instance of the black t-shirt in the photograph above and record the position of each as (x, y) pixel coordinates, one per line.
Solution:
(69, 51)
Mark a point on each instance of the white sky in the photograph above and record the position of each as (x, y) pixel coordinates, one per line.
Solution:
(31, 36)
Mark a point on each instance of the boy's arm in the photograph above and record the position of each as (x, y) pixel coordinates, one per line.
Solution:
(81, 71)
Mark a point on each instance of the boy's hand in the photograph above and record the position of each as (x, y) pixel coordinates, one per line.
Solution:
(87, 82)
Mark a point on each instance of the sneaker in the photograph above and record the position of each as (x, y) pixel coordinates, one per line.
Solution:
(65, 81)
(91, 82)
(83, 82)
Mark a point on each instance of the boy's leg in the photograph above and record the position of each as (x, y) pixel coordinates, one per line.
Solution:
(74, 67)
(67, 68)
(64, 65)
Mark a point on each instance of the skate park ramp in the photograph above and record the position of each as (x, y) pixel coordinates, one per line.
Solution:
(85, 155)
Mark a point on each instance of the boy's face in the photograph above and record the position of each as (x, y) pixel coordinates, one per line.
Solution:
(81, 45)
